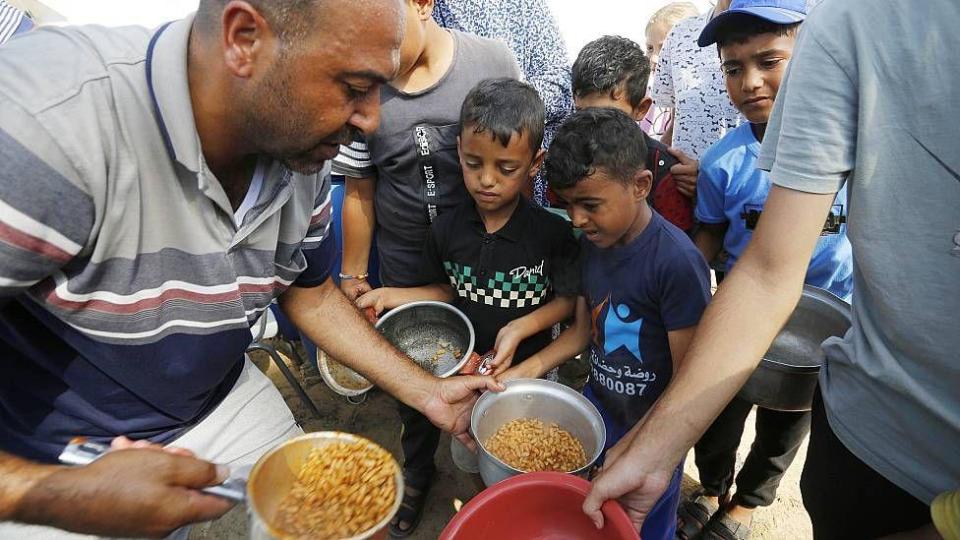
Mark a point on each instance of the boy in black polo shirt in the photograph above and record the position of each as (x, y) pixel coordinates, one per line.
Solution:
(510, 266)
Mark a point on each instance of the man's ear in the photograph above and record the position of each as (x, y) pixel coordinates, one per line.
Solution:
(246, 38)
(640, 111)
(642, 184)
(537, 162)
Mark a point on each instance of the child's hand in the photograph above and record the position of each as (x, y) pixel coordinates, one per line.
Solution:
(508, 339)
(353, 288)
(375, 299)
(510, 374)
(685, 173)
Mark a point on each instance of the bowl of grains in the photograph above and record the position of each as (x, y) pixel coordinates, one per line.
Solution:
(326, 485)
(535, 425)
(436, 335)
(340, 378)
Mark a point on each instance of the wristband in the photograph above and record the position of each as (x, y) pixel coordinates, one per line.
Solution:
(358, 277)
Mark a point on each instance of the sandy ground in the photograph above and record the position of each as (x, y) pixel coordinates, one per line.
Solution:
(377, 419)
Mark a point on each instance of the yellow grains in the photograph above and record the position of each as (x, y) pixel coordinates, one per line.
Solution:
(528, 445)
(343, 489)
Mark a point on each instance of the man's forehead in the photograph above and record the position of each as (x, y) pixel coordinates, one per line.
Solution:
(367, 42)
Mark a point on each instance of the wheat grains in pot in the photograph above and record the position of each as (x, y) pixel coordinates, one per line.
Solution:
(527, 444)
(342, 490)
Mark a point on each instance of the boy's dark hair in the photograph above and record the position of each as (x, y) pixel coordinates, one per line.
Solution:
(605, 63)
(592, 139)
(740, 27)
(503, 107)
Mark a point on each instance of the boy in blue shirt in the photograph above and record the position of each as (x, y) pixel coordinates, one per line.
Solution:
(755, 39)
(644, 283)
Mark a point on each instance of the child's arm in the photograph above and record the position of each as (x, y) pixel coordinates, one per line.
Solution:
(358, 221)
(509, 337)
(391, 297)
(571, 342)
(709, 240)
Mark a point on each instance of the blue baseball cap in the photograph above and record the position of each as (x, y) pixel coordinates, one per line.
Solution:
(775, 11)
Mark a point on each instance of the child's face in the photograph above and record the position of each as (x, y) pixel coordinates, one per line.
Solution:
(608, 211)
(753, 71)
(494, 174)
(655, 37)
(616, 101)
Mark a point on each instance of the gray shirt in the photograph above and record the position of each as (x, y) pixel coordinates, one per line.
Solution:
(859, 107)
(413, 154)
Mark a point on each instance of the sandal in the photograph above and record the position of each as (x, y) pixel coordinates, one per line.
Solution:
(723, 527)
(416, 486)
(693, 515)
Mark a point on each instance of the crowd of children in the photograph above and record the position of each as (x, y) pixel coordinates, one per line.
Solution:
(446, 195)
(660, 165)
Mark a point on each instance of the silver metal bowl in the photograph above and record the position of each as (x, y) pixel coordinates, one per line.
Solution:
(547, 401)
(430, 333)
(786, 378)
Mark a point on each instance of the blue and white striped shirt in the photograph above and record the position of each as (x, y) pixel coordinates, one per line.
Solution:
(12, 22)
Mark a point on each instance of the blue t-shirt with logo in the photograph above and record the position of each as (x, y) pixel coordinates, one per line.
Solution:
(637, 293)
(732, 190)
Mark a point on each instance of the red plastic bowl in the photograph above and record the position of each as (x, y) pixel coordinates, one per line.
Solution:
(537, 506)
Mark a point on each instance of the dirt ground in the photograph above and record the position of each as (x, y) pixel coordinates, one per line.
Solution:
(377, 419)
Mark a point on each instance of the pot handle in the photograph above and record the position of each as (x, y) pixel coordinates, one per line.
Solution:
(80, 451)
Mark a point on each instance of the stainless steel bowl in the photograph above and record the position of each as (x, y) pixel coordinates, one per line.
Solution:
(274, 474)
(786, 378)
(430, 333)
(546, 401)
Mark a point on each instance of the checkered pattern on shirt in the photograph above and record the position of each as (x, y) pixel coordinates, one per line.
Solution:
(501, 290)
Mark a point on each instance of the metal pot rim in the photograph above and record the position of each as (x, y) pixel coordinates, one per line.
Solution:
(326, 435)
(443, 305)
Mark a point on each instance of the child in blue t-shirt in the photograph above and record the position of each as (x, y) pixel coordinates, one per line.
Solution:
(755, 39)
(644, 283)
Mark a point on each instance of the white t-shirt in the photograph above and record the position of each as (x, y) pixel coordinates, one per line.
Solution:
(689, 80)
(862, 104)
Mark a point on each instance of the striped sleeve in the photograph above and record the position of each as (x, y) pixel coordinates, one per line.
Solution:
(354, 161)
(10, 21)
(45, 216)
(319, 246)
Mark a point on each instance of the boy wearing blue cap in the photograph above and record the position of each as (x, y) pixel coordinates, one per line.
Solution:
(755, 39)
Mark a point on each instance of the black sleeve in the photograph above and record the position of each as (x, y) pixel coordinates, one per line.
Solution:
(565, 261)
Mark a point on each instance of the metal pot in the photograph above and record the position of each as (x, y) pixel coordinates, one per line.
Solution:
(423, 329)
(274, 474)
(787, 376)
(547, 401)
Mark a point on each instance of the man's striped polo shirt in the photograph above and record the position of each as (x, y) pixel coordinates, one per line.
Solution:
(126, 289)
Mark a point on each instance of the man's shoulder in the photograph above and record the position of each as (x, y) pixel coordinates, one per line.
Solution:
(54, 65)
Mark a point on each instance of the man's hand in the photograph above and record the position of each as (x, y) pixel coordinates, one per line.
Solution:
(637, 490)
(133, 492)
(354, 288)
(451, 402)
(685, 173)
